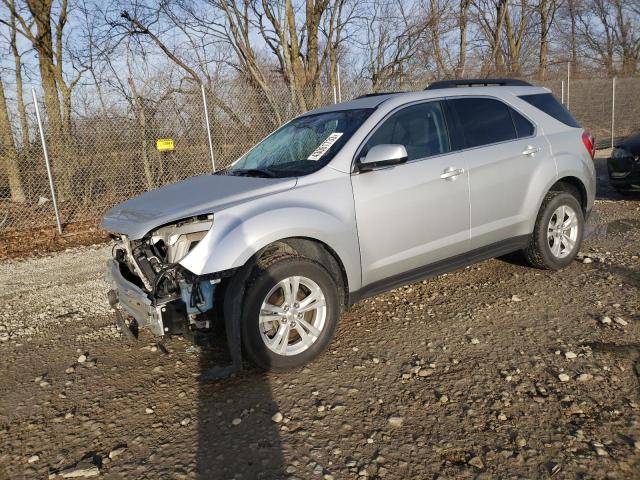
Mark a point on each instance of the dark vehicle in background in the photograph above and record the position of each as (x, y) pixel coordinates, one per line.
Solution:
(624, 165)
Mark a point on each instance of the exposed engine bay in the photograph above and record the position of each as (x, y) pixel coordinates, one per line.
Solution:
(179, 302)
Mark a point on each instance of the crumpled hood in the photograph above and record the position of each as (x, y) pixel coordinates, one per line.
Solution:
(193, 196)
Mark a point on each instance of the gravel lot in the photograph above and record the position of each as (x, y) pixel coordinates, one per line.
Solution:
(495, 371)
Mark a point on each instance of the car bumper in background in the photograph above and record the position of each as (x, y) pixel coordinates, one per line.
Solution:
(624, 172)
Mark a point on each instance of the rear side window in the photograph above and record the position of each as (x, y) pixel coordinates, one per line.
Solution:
(524, 127)
(483, 121)
(552, 107)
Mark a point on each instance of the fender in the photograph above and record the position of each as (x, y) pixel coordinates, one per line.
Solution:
(567, 167)
(234, 238)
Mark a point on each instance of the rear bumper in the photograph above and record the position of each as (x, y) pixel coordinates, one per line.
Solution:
(134, 300)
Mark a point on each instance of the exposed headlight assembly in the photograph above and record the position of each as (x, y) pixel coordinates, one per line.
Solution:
(180, 238)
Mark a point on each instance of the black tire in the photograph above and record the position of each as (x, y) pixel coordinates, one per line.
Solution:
(266, 275)
(538, 252)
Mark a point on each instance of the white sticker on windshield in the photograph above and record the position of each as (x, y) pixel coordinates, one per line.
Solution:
(324, 146)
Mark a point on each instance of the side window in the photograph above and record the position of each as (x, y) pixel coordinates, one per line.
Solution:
(549, 105)
(483, 121)
(420, 128)
(524, 127)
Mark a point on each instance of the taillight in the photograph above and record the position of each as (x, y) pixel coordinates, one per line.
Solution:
(589, 143)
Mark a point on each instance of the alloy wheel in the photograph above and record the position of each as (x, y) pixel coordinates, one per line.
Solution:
(292, 315)
(562, 231)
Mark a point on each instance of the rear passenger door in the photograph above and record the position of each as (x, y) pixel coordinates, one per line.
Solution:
(502, 150)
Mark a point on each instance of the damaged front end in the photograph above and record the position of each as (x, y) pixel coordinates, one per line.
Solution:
(152, 287)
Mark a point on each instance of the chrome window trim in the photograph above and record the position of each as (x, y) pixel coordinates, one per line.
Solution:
(354, 160)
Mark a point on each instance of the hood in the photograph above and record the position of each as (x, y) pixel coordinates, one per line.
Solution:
(193, 196)
(631, 143)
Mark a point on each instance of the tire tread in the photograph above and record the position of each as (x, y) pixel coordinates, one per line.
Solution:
(533, 251)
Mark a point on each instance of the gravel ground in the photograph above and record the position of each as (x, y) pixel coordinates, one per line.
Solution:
(495, 371)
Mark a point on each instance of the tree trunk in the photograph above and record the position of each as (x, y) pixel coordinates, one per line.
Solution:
(462, 43)
(141, 117)
(573, 33)
(41, 12)
(22, 111)
(497, 53)
(8, 152)
(544, 40)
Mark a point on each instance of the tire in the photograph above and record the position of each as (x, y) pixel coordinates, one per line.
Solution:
(540, 253)
(260, 289)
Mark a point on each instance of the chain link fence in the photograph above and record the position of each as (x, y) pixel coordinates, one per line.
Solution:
(111, 155)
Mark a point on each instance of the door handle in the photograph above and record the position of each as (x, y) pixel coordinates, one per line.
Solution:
(530, 151)
(451, 173)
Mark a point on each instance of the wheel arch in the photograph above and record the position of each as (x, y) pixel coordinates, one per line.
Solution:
(319, 251)
(574, 186)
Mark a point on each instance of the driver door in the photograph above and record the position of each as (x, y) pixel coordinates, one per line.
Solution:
(413, 214)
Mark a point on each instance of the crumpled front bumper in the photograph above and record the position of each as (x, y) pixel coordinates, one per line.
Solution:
(134, 300)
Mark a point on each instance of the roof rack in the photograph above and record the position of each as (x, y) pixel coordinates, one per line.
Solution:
(485, 82)
(377, 94)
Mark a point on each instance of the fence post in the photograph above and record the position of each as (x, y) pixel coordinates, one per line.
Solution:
(562, 92)
(206, 119)
(339, 86)
(568, 81)
(613, 108)
(46, 161)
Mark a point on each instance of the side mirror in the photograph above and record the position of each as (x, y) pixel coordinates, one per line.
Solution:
(383, 156)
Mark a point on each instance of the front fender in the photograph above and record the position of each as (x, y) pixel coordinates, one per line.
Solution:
(233, 239)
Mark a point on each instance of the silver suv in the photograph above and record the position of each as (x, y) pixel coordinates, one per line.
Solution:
(348, 201)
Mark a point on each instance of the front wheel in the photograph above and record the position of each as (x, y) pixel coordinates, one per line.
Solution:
(291, 309)
(557, 234)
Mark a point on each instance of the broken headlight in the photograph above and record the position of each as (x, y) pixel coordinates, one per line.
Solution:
(173, 242)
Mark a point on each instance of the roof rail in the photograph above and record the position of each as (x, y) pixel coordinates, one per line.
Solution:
(377, 94)
(470, 82)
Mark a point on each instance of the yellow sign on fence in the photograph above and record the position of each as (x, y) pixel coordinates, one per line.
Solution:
(164, 144)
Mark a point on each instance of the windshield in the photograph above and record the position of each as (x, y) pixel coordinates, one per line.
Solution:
(302, 146)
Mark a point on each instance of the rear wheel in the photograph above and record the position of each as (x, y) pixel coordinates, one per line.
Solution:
(557, 234)
(290, 313)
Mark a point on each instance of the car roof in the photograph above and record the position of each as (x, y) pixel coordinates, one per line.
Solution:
(375, 100)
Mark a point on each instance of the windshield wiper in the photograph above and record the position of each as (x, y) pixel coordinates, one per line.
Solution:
(254, 172)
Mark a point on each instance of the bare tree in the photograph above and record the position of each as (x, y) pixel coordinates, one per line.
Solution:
(627, 35)
(546, 11)
(609, 29)
(294, 37)
(8, 153)
(490, 16)
(391, 40)
(517, 22)
(463, 23)
(45, 29)
(17, 61)
(137, 27)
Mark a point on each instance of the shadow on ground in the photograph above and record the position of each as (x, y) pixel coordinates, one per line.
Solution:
(237, 437)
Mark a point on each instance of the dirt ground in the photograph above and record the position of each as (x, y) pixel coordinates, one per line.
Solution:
(35, 241)
(495, 371)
